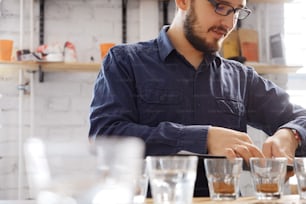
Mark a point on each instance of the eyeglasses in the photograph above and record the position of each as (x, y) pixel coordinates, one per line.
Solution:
(225, 10)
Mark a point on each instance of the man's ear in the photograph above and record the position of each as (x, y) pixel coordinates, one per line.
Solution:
(182, 4)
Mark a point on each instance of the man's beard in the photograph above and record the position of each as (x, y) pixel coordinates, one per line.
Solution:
(196, 41)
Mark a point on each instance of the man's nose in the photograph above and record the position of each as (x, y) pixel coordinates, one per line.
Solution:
(230, 21)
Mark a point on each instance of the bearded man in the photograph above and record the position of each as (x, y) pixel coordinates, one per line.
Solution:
(177, 93)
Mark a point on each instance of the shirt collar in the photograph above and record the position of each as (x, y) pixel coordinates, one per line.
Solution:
(214, 57)
(165, 47)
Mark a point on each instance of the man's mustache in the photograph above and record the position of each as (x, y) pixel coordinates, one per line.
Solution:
(221, 29)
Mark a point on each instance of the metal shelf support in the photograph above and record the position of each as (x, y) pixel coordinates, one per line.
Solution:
(124, 21)
(41, 33)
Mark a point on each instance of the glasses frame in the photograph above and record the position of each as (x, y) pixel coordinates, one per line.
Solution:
(236, 11)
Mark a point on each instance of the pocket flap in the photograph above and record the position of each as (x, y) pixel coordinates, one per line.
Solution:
(230, 106)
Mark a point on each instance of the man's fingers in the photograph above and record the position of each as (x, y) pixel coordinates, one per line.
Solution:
(267, 149)
(255, 151)
(248, 150)
(230, 153)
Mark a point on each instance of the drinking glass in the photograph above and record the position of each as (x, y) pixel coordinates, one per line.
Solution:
(172, 178)
(223, 177)
(141, 184)
(268, 177)
(77, 173)
(300, 172)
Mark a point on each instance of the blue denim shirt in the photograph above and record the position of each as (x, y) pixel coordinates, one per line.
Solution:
(151, 91)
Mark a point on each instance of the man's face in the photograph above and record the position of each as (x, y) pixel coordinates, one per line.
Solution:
(204, 29)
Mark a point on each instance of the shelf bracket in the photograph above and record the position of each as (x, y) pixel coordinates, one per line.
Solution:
(41, 74)
(165, 12)
(41, 34)
(124, 20)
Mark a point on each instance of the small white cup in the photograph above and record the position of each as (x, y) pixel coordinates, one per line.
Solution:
(172, 178)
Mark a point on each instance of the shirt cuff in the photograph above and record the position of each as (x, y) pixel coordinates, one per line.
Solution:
(301, 150)
(193, 138)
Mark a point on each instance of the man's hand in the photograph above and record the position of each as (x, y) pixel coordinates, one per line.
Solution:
(231, 143)
(281, 144)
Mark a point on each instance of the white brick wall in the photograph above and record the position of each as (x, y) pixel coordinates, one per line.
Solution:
(62, 100)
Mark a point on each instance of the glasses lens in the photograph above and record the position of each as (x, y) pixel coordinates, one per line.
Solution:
(243, 13)
(224, 9)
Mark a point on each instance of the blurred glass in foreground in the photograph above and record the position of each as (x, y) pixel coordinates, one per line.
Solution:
(72, 173)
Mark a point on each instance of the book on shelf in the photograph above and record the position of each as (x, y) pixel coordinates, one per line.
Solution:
(231, 47)
(277, 49)
(241, 43)
(248, 40)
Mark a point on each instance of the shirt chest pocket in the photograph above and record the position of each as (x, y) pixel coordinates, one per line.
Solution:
(228, 106)
(231, 113)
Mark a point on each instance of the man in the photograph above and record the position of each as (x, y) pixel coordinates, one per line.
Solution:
(176, 93)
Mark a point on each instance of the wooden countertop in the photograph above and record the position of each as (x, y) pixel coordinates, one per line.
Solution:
(287, 199)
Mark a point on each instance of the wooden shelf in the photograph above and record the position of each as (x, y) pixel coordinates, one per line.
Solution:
(269, 1)
(95, 67)
(52, 66)
(274, 68)
(61, 66)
